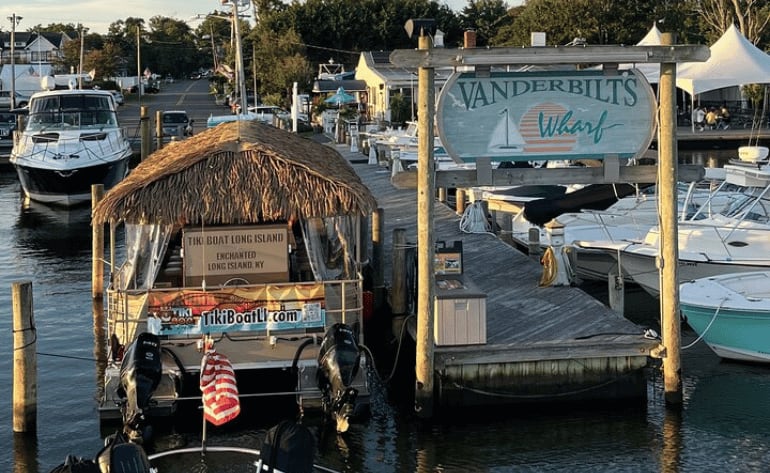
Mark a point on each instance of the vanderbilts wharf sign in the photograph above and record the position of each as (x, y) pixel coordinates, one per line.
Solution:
(522, 116)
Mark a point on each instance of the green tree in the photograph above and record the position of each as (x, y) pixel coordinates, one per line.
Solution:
(279, 61)
(485, 17)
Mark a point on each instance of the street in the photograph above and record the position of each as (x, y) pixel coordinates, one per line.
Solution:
(191, 96)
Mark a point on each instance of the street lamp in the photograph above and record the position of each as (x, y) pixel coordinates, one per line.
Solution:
(14, 21)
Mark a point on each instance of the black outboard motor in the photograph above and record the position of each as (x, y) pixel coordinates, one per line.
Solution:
(288, 447)
(338, 361)
(118, 456)
(121, 456)
(140, 374)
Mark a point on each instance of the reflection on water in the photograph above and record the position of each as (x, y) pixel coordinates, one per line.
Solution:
(53, 232)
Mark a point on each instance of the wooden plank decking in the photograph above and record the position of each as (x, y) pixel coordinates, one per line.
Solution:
(526, 324)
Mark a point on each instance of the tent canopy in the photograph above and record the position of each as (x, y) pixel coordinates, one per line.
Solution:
(734, 61)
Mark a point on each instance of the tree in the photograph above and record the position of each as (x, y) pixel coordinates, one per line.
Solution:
(594, 21)
(486, 17)
(280, 61)
(751, 16)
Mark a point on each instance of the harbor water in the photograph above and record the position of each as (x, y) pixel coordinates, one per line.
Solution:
(722, 425)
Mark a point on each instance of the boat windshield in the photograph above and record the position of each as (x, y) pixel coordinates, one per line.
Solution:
(59, 112)
(750, 207)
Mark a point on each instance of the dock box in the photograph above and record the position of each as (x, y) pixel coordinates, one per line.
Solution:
(460, 313)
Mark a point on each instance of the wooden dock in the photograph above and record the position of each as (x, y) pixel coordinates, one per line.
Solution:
(542, 344)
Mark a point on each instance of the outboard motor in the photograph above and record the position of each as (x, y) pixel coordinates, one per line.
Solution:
(118, 456)
(140, 374)
(288, 447)
(338, 361)
(121, 456)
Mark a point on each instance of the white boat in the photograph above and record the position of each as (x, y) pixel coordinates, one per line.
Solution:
(731, 313)
(628, 219)
(70, 141)
(735, 239)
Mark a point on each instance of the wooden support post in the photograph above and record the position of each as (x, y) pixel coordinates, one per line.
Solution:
(533, 241)
(377, 263)
(616, 290)
(398, 284)
(669, 252)
(24, 359)
(144, 124)
(423, 396)
(97, 247)
(442, 194)
(460, 201)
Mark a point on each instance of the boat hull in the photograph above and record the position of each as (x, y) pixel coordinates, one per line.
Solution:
(641, 267)
(70, 187)
(731, 313)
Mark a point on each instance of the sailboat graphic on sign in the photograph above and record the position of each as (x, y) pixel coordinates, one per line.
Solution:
(506, 137)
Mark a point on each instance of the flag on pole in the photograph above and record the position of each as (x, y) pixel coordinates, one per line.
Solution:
(220, 392)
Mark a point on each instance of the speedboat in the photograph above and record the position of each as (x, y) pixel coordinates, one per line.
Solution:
(734, 239)
(70, 141)
(731, 313)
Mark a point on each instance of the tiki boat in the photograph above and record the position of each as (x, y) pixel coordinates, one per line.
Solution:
(244, 239)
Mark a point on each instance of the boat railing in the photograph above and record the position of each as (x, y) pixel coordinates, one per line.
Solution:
(127, 310)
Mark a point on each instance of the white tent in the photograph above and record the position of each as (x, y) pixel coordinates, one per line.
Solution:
(734, 61)
(651, 71)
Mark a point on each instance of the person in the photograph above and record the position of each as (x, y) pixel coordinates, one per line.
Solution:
(724, 117)
(699, 117)
(711, 118)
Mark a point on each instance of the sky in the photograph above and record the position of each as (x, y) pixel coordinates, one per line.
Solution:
(98, 14)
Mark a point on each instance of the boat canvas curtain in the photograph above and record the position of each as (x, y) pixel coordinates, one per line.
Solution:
(330, 248)
(145, 248)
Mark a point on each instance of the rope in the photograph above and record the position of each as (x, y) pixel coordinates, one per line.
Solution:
(705, 331)
(550, 267)
(473, 219)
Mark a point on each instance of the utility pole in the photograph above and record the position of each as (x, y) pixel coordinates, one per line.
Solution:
(238, 57)
(14, 21)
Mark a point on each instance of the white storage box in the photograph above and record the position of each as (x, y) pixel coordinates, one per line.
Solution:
(460, 313)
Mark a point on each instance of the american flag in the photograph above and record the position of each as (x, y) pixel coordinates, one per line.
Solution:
(220, 392)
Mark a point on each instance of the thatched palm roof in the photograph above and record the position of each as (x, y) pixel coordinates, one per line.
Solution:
(237, 173)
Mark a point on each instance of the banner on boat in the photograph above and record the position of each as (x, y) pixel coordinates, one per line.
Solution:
(273, 308)
(564, 115)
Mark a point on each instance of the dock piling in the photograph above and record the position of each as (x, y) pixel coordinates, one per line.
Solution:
(24, 359)
(97, 247)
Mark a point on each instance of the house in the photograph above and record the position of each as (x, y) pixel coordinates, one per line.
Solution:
(384, 80)
(35, 55)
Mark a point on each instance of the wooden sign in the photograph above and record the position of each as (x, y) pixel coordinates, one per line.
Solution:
(565, 115)
(250, 254)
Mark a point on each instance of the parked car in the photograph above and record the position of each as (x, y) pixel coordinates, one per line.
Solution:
(7, 125)
(176, 123)
(265, 113)
(118, 95)
(5, 99)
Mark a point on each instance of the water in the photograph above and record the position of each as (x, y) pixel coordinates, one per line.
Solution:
(723, 424)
